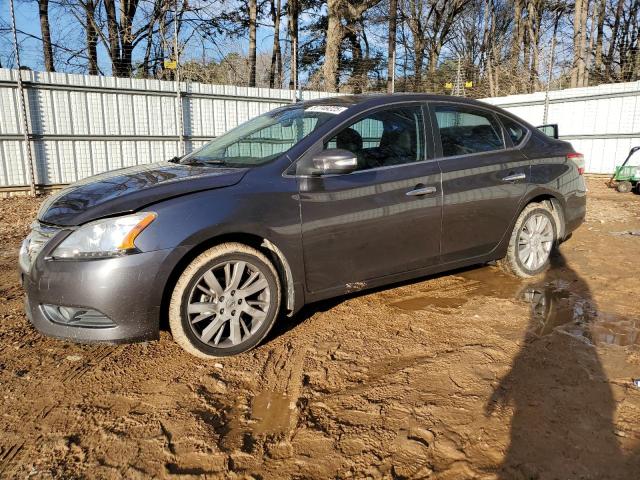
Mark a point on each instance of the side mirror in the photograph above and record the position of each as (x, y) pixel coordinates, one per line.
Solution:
(550, 130)
(334, 161)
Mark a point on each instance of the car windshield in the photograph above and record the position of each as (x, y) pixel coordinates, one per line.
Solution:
(263, 138)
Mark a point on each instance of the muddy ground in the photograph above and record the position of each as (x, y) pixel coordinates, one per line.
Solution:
(466, 375)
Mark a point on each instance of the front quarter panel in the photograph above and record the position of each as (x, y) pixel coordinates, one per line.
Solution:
(264, 204)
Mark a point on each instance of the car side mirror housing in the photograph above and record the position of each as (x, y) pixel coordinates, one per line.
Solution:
(550, 130)
(334, 161)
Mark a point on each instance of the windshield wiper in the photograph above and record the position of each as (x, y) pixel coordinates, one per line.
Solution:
(203, 161)
(213, 162)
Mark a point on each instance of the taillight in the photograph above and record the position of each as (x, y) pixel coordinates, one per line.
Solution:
(578, 158)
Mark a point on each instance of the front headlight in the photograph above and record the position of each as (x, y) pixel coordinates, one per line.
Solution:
(110, 237)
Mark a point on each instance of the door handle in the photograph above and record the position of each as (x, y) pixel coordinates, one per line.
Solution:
(514, 177)
(421, 191)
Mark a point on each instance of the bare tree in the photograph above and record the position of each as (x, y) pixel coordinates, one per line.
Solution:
(293, 10)
(253, 25)
(47, 49)
(391, 53)
(614, 37)
(334, 37)
(601, 6)
(275, 73)
(92, 36)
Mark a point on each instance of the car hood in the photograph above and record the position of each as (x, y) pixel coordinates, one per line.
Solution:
(129, 189)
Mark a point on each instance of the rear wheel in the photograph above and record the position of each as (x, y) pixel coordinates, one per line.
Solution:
(532, 241)
(624, 186)
(225, 302)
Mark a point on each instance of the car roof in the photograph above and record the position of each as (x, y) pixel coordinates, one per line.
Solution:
(384, 99)
(365, 101)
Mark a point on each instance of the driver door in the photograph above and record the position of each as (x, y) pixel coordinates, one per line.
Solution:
(382, 219)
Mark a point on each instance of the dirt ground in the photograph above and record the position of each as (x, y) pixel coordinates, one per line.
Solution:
(466, 375)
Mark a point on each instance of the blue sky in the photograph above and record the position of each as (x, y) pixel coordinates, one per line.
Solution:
(65, 32)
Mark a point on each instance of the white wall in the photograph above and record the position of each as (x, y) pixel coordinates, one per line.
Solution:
(602, 122)
(83, 125)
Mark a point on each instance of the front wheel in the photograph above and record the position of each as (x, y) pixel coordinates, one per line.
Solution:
(225, 302)
(532, 240)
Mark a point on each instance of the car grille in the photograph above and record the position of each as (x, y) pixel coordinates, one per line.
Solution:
(34, 243)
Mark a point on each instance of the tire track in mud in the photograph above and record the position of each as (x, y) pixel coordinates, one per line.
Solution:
(96, 356)
(33, 413)
(258, 427)
(8, 454)
(265, 419)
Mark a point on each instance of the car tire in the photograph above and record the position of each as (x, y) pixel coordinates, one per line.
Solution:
(532, 241)
(225, 301)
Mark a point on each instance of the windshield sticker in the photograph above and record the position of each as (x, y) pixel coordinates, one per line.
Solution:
(333, 109)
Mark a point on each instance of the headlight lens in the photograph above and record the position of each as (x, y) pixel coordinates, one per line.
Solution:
(104, 238)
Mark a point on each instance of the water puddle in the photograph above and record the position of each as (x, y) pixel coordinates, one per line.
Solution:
(487, 282)
(271, 412)
(553, 307)
(558, 303)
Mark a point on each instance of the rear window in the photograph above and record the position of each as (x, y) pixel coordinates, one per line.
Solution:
(465, 130)
(515, 131)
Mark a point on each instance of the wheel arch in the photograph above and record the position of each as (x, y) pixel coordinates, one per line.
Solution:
(557, 209)
(260, 243)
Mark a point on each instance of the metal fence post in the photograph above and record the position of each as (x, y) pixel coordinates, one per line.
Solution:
(181, 146)
(23, 107)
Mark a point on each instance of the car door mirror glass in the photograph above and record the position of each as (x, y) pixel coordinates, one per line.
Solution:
(550, 130)
(334, 161)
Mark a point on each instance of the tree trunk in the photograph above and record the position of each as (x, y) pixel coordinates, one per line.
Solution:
(358, 75)
(332, 49)
(533, 28)
(518, 34)
(43, 10)
(597, 67)
(276, 7)
(293, 10)
(418, 54)
(114, 37)
(526, 51)
(582, 58)
(127, 12)
(391, 59)
(92, 37)
(253, 21)
(614, 39)
(577, 33)
(485, 36)
(627, 40)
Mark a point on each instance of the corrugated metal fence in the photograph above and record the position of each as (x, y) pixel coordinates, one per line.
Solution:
(602, 122)
(82, 125)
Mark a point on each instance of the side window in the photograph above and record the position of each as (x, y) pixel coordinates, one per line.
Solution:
(386, 137)
(516, 131)
(465, 130)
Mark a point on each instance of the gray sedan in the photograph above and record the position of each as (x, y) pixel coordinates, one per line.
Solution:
(306, 202)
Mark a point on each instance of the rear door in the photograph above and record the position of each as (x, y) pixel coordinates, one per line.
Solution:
(484, 177)
(382, 219)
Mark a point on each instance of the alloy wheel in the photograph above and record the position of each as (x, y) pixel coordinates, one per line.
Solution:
(535, 241)
(228, 304)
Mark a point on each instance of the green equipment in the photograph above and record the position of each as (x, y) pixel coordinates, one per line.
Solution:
(626, 177)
